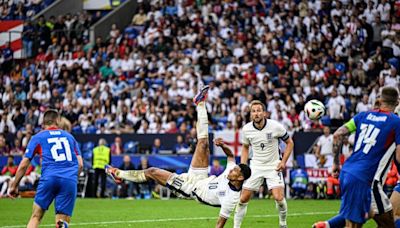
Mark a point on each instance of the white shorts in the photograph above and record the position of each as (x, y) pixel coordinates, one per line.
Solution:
(182, 185)
(380, 203)
(274, 179)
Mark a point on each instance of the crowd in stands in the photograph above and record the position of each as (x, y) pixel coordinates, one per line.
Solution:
(22, 9)
(141, 79)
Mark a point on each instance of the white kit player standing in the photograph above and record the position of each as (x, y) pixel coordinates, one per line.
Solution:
(263, 136)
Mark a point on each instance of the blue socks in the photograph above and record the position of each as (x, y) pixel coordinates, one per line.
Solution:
(397, 223)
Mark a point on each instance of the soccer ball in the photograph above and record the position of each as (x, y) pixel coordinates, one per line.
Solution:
(314, 109)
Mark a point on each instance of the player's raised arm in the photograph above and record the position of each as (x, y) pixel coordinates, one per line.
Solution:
(342, 131)
(245, 154)
(228, 152)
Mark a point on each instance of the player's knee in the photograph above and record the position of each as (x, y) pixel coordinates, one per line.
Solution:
(279, 198)
(203, 143)
(245, 197)
(37, 215)
(151, 171)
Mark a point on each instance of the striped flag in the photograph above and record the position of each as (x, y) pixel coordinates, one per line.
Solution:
(11, 31)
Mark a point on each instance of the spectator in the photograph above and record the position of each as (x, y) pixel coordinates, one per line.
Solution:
(181, 147)
(8, 55)
(336, 108)
(157, 147)
(17, 149)
(363, 105)
(324, 145)
(117, 147)
(216, 168)
(140, 18)
(128, 187)
(4, 148)
(7, 174)
(144, 189)
(192, 140)
(27, 38)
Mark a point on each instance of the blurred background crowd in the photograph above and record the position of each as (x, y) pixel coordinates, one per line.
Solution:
(141, 78)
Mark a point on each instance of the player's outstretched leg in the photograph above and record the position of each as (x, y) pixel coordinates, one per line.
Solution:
(201, 155)
(139, 176)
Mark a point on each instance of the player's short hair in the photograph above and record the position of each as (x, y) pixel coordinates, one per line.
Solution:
(245, 170)
(390, 96)
(257, 102)
(51, 117)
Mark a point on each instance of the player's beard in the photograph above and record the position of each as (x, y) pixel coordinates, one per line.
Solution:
(258, 120)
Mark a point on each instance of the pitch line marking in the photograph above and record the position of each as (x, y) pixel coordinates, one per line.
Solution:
(174, 219)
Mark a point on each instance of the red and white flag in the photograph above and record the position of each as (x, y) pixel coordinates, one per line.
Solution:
(231, 138)
(11, 31)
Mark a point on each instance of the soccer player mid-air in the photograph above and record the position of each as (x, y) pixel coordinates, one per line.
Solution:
(222, 191)
(263, 136)
(376, 131)
(61, 164)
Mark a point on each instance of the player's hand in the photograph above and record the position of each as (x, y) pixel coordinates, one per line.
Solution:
(281, 166)
(219, 142)
(335, 171)
(12, 192)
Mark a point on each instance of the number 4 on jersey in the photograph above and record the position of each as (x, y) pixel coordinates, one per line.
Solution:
(367, 136)
(60, 144)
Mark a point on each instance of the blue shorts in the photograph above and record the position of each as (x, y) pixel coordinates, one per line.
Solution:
(62, 191)
(356, 198)
(397, 188)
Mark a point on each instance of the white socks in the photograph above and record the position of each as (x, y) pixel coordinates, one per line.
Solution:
(282, 207)
(240, 212)
(136, 176)
(202, 121)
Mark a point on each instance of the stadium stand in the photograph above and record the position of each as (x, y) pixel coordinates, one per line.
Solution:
(141, 78)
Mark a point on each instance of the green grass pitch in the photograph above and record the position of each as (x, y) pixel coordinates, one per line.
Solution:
(169, 213)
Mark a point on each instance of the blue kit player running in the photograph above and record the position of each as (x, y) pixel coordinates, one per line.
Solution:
(376, 130)
(61, 163)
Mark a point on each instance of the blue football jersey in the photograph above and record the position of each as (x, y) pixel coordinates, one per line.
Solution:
(59, 151)
(375, 132)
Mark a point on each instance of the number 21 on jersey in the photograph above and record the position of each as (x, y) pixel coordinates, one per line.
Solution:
(60, 143)
(367, 137)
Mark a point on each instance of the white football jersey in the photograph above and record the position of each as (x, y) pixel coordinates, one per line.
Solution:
(264, 143)
(216, 191)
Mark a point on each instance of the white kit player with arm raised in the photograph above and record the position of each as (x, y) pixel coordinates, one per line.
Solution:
(263, 136)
